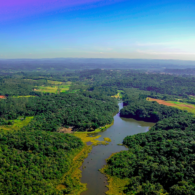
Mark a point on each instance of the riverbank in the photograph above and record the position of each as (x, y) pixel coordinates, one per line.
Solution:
(115, 185)
(71, 180)
(97, 183)
(98, 130)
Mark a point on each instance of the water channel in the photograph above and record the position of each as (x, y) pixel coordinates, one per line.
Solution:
(122, 127)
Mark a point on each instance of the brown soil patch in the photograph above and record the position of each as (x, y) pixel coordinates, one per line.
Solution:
(161, 102)
(170, 104)
(2, 97)
(65, 130)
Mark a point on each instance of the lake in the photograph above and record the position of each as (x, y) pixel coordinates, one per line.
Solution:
(122, 127)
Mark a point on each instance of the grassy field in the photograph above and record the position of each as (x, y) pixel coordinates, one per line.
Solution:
(57, 87)
(54, 82)
(184, 106)
(179, 105)
(118, 95)
(25, 96)
(17, 124)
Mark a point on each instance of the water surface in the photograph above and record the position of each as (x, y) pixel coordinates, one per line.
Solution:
(121, 128)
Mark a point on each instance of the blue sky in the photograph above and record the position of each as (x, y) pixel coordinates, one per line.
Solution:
(98, 29)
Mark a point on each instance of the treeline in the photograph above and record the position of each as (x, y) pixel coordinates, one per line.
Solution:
(182, 121)
(15, 87)
(164, 84)
(157, 163)
(33, 162)
(109, 91)
(141, 109)
(86, 111)
(16, 84)
(161, 161)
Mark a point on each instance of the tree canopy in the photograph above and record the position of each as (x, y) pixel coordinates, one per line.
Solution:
(33, 162)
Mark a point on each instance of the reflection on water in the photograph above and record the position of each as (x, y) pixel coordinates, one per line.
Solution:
(122, 127)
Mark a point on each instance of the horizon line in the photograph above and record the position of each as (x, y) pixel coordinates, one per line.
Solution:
(94, 58)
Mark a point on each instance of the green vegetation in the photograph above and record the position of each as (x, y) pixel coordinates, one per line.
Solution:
(160, 161)
(119, 95)
(184, 106)
(57, 87)
(33, 162)
(115, 185)
(177, 122)
(107, 139)
(87, 111)
(24, 96)
(165, 160)
(147, 111)
(155, 83)
(103, 128)
(37, 159)
(16, 124)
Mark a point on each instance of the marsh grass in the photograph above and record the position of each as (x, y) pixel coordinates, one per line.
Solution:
(71, 180)
(115, 184)
(118, 95)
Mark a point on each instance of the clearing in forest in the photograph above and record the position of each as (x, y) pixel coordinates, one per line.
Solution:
(17, 124)
(24, 96)
(55, 88)
(2, 97)
(179, 105)
(118, 95)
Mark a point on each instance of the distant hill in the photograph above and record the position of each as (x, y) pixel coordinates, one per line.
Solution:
(65, 64)
(186, 71)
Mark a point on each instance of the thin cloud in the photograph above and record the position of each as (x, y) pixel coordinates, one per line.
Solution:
(158, 44)
(165, 53)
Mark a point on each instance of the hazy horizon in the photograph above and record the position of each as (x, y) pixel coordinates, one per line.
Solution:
(85, 58)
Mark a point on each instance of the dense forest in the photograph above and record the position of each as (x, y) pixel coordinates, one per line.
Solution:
(34, 158)
(86, 111)
(33, 162)
(157, 162)
(163, 84)
(147, 111)
(23, 83)
(182, 121)
(162, 160)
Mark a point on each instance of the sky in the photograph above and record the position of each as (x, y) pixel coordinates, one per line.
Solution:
(135, 29)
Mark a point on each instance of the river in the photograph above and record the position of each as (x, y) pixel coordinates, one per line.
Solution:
(122, 127)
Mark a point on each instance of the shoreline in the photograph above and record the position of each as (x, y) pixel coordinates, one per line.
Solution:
(115, 185)
(71, 180)
(98, 130)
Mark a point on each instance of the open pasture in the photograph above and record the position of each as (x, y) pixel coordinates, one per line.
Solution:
(55, 87)
(179, 105)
